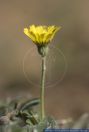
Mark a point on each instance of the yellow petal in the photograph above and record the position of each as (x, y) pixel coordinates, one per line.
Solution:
(26, 31)
(41, 34)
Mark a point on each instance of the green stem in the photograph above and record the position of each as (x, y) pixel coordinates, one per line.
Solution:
(42, 88)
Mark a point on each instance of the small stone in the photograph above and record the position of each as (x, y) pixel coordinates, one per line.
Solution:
(4, 120)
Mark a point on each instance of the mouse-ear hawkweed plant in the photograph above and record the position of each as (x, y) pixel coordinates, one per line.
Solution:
(20, 114)
(42, 36)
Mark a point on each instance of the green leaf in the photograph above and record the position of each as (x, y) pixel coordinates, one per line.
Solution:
(29, 104)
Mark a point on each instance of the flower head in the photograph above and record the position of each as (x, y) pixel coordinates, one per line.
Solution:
(41, 35)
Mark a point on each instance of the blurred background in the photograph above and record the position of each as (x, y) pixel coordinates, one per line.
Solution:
(67, 92)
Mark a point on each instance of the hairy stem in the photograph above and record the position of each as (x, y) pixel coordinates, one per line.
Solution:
(42, 88)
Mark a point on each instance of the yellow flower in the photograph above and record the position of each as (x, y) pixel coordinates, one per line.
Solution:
(41, 35)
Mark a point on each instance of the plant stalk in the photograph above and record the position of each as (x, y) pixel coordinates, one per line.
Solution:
(42, 94)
